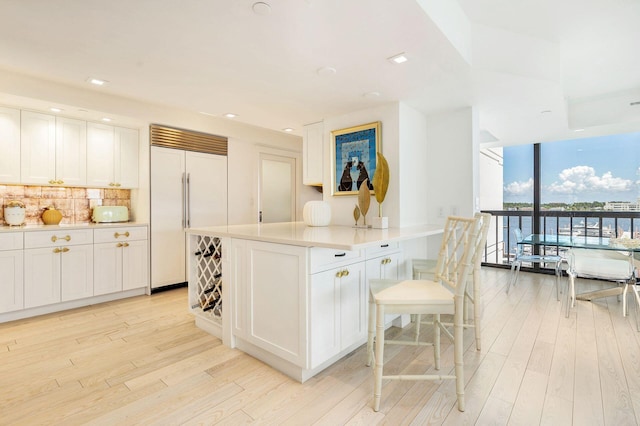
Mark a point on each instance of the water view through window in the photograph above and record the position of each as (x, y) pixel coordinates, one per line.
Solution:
(598, 174)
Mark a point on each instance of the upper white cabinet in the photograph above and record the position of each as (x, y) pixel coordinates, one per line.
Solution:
(312, 151)
(112, 156)
(38, 148)
(53, 150)
(71, 152)
(9, 145)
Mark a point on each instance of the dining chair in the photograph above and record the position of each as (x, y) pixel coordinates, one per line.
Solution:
(426, 268)
(609, 265)
(522, 257)
(444, 295)
(635, 287)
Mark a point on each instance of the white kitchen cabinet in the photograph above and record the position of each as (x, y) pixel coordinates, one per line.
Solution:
(337, 311)
(11, 272)
(384, 264)
(274, 304)
(312, 151)
(58, 266)
(38, 148)
(9, 145)
(120, 259)
(53, 150)
(71, 152)
(112, 156)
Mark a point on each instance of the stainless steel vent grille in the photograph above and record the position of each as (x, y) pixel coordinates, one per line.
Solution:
(171, 137)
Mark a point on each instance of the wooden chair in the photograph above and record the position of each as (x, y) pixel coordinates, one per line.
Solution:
(426, 268)
(459, 242)
(635, 287)
(521, 256)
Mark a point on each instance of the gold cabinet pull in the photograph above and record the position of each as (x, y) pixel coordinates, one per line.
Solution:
(386, 261)
(60, 250)
(66, 238)
(52, 182)
(115, 184)
(126, 244)
(342, 273)
(117, 235)
(122, 245)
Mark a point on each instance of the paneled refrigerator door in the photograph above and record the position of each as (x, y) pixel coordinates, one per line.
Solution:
(206, 189)
(167, 217)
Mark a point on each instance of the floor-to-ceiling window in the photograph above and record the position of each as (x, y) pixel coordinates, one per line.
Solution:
(587, 186)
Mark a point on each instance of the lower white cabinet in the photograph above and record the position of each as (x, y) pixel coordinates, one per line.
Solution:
(120, 263)
(57, 274)
(11, 272)
(337, 311)
(58, 266)
(44, 269)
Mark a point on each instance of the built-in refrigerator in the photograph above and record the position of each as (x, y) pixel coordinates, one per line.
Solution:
(188, 189)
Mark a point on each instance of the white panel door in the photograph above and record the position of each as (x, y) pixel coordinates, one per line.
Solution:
(71, 151)
(9, 145)
(38, 148)
(100, 155)
(11, 282)
(134, 265)
(207, 189)
(167, 216)
(41, 277)
(77, 272)
(126, 157)
(107, 267)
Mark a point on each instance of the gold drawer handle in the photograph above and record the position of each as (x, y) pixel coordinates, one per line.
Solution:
(60, 250)
(122, 245)
(115, 184)
(117, 235)
(56, 182)
(66, 238)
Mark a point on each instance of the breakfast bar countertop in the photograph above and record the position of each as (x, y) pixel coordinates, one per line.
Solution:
(334, 236)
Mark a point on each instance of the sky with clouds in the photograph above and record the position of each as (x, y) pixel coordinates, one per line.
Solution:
(605, 168)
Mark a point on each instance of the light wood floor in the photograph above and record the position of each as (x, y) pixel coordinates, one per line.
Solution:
(142, 361)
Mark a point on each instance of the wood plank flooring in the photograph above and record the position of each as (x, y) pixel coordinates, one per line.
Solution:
(143, 361)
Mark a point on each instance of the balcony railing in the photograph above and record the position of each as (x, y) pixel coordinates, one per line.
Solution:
(501, 241)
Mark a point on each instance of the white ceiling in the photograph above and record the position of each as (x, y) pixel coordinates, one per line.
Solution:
(217, 56)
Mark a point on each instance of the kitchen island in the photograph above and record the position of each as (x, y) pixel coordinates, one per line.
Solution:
(293, 296)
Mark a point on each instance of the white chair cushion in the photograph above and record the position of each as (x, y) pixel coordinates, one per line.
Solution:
(415, 292)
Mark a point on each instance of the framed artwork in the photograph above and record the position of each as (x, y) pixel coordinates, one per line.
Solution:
(353, 157)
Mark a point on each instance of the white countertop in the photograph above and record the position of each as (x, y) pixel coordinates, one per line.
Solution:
(299, 234)
(27, 228)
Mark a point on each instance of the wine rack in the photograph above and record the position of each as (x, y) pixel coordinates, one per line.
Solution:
(208, 289)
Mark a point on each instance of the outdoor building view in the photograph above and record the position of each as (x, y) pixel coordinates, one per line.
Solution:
(588, 186)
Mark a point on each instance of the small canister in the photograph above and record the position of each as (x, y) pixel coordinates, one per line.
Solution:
(14, 213)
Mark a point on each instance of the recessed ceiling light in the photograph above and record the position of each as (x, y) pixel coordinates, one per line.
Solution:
(261, 8)
(326, 71)
(107, 119)
(371, 95)
(546, 111)
(97, 81)
(578, 130)
(398, 59)
(230, 115)
(288, 129)
(53, 109)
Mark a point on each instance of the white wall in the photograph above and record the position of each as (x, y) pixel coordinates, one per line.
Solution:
(452, 164)
(17, 90)
(413, 168)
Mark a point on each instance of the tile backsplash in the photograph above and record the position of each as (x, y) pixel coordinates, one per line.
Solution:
(75, 204)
